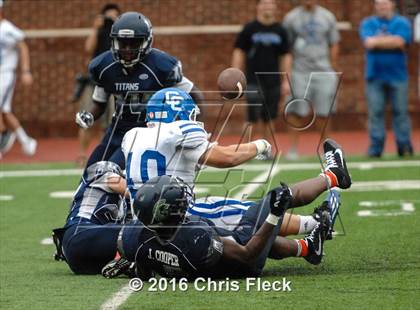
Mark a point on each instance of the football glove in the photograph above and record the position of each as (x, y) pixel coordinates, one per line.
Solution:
(280, 200)
(263, 149)
(84, 119)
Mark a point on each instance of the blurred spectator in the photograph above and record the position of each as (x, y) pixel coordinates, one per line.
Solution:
(258, 48)
(417, 28)
(314, 39)
(385, 37)
(417, 40)
(97, 42)
(12, 49)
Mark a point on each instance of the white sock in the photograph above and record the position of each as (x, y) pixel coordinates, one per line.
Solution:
(21, 135)
(307, 224)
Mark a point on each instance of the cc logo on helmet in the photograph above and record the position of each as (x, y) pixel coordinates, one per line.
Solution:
(173, 99)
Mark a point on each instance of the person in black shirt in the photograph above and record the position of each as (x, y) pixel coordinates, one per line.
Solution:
(96, 43)
(259, 48)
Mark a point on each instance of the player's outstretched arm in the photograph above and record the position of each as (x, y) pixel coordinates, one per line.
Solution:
(233, 155)
(280, 200)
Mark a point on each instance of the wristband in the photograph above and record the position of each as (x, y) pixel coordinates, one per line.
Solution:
(260, 145)
(272, 219)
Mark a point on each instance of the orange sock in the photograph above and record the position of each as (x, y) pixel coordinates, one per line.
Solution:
(332, 178)
(302, 248)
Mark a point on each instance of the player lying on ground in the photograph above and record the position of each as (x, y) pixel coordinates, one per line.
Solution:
(165, 241)
(88, 240)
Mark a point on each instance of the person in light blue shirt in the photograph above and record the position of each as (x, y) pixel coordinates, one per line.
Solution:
(386, 36)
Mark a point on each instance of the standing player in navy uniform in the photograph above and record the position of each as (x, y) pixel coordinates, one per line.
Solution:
(131, 71)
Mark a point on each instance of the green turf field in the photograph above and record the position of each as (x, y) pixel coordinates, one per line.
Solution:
(375, 265)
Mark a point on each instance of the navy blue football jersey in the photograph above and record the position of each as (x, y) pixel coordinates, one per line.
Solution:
(194, 250)
(132, 88)
(94, 202)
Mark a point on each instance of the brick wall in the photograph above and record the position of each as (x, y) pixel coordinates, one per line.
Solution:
(45, 108)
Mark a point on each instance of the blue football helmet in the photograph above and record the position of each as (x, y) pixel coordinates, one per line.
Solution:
(171, 104)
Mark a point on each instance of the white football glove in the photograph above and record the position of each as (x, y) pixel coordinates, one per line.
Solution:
(84, 119)
(263, 149)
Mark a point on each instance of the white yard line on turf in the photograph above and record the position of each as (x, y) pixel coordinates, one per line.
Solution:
(118, 298)
(256, 183)
(40, 173)
(392, 185)
(6, 197)
(364, 165)
(47, 241)
(62, 194)
(248, 167)
(367, 186)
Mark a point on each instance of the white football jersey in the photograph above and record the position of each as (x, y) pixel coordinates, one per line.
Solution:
(10, 36)
(166, 148)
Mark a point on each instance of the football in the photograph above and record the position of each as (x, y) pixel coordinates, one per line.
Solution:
(231, 83)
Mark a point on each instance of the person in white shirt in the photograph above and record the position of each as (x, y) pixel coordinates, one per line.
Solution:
(12, 50)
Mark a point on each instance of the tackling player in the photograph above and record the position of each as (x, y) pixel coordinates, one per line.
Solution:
(88, 240)
(165, 241)
(174, 143)
(130, 71)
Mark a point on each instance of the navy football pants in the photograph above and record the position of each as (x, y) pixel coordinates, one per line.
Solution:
(89, 247)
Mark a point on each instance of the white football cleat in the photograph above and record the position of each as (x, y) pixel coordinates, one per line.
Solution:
(29, 148)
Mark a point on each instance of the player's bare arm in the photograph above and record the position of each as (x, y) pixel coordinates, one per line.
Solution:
(118, 185)
(238, 59)
(334, 52)
(249, 253)
(286, 67)
(233, 155)
(25, 66)
(280, 200)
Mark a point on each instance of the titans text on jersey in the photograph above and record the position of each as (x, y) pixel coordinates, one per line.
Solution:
(135, 85)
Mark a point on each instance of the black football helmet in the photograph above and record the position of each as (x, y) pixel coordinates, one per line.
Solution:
(161, 204)
(132, 37)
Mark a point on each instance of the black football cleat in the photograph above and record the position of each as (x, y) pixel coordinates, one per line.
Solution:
(332, 206)
(316, 239)
(336, 164)
(117, 267)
